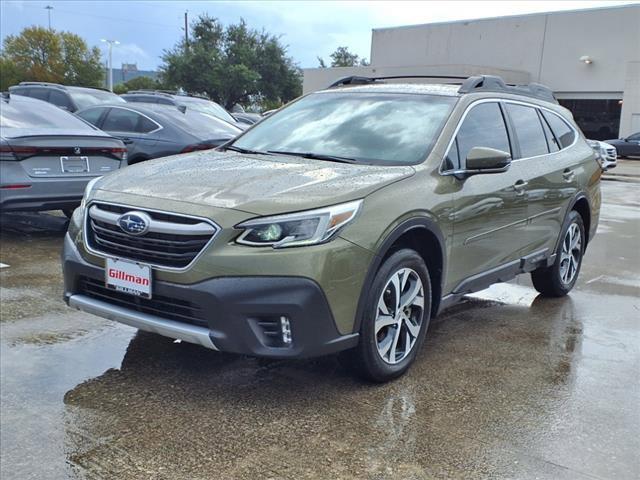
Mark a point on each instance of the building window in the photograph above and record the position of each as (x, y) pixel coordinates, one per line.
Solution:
(598, 119)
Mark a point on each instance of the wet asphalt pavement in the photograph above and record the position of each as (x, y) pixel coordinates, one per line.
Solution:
(508, 384)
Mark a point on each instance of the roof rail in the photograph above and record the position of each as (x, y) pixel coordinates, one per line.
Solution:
(492, 83)
(477, 83)
(151, 92)
(45, 84)
(359, 80)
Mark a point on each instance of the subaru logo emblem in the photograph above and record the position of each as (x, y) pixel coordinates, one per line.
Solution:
(134, 223)
(77, 151)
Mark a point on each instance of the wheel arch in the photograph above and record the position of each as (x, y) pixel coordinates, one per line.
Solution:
(422, 235)
(582, 205)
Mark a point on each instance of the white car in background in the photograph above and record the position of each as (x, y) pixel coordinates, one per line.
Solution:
(607, 154)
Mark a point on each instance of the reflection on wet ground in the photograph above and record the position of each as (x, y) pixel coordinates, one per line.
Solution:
(508, 385)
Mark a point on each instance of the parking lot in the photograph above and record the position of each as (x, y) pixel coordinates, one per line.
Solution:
(508, 384)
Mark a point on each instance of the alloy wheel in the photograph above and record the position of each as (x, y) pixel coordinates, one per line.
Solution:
(570, 254)
(399, 315)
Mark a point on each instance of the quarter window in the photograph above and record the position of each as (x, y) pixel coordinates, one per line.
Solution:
(552, 142)
(565, 134)
(528, 130)
(483, 127)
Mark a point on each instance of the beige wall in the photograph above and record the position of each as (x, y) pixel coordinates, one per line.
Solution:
(544, 48)
(547, 46)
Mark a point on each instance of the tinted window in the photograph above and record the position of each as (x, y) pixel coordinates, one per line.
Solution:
(561, 130)
(88, 98)
(121, 120)
(634, 137)
(60, 99)
(39, 93)
(483, 127)
(552, 142)
(372, 127)
(92, 115)
(20, 112)
(165, 101)
(145, 125)
(452, 161)
(528, 130)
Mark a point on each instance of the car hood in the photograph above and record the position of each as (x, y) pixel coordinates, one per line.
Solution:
(256, 184)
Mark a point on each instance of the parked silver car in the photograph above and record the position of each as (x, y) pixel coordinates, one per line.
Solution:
(607, 154)
(47, 155)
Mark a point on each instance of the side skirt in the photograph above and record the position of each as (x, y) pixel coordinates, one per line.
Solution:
(502, 273)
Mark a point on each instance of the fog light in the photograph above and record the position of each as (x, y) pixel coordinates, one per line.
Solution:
(285, 329)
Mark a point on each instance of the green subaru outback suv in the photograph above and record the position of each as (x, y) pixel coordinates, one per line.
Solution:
(343, 222)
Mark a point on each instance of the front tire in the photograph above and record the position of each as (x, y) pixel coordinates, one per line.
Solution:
(396, 320)
(558, 279)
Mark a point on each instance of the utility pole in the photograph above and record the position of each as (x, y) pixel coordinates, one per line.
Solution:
(186, 29)
(48, 8)
(111, 44)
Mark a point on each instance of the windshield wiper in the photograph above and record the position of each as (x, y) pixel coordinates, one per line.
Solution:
(316, 156)
(245, 150)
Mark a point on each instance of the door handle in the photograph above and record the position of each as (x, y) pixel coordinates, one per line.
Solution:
(568, 175)
(519, 187)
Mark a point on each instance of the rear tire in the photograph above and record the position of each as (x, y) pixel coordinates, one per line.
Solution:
(558, 279)
(395, 322)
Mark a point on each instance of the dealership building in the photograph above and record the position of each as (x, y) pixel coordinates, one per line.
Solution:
(589, 58)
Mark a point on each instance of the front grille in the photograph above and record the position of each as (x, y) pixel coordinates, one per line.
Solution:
(611, 153)
(172, 240)
(160, 306)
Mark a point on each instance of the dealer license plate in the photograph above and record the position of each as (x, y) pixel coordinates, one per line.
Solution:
(128, 277)
(74, 164)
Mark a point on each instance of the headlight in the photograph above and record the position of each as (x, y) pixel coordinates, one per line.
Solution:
(87, 192)
(298, 229)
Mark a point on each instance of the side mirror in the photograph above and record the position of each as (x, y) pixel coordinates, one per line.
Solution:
(182, 108)
(487, 160)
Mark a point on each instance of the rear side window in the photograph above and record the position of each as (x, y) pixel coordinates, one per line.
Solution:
(528, 130)
(145, 125)
(552, 142)
(92, 115)
(565, 134)
(121, 120)
(483, 127)
(60, 99)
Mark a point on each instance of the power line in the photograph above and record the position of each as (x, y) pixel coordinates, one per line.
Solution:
(115, 19)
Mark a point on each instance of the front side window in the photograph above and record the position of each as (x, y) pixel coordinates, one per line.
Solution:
(483, 127)
(377, 128)
(528, 130)
(565, 134)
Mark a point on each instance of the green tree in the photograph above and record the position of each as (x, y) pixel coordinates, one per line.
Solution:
(138, 83)
(43, 55)
(236, 64)
(342, 57)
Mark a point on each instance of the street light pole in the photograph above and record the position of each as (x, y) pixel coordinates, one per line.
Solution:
(110, 66)
(49, 8)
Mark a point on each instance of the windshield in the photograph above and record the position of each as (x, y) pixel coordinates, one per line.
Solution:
(205, 106)
(38, 114)
(202, 125)
(88, 98)
(384, 128)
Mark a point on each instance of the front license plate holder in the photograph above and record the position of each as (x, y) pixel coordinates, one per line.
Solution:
(128, 277)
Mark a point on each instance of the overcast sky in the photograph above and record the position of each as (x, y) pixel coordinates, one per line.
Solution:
(310, 29)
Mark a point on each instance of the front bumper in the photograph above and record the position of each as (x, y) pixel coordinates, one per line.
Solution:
(234, 311)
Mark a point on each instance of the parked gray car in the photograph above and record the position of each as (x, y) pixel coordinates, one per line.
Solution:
(47, 155)
(66, 97)
(152, 131)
